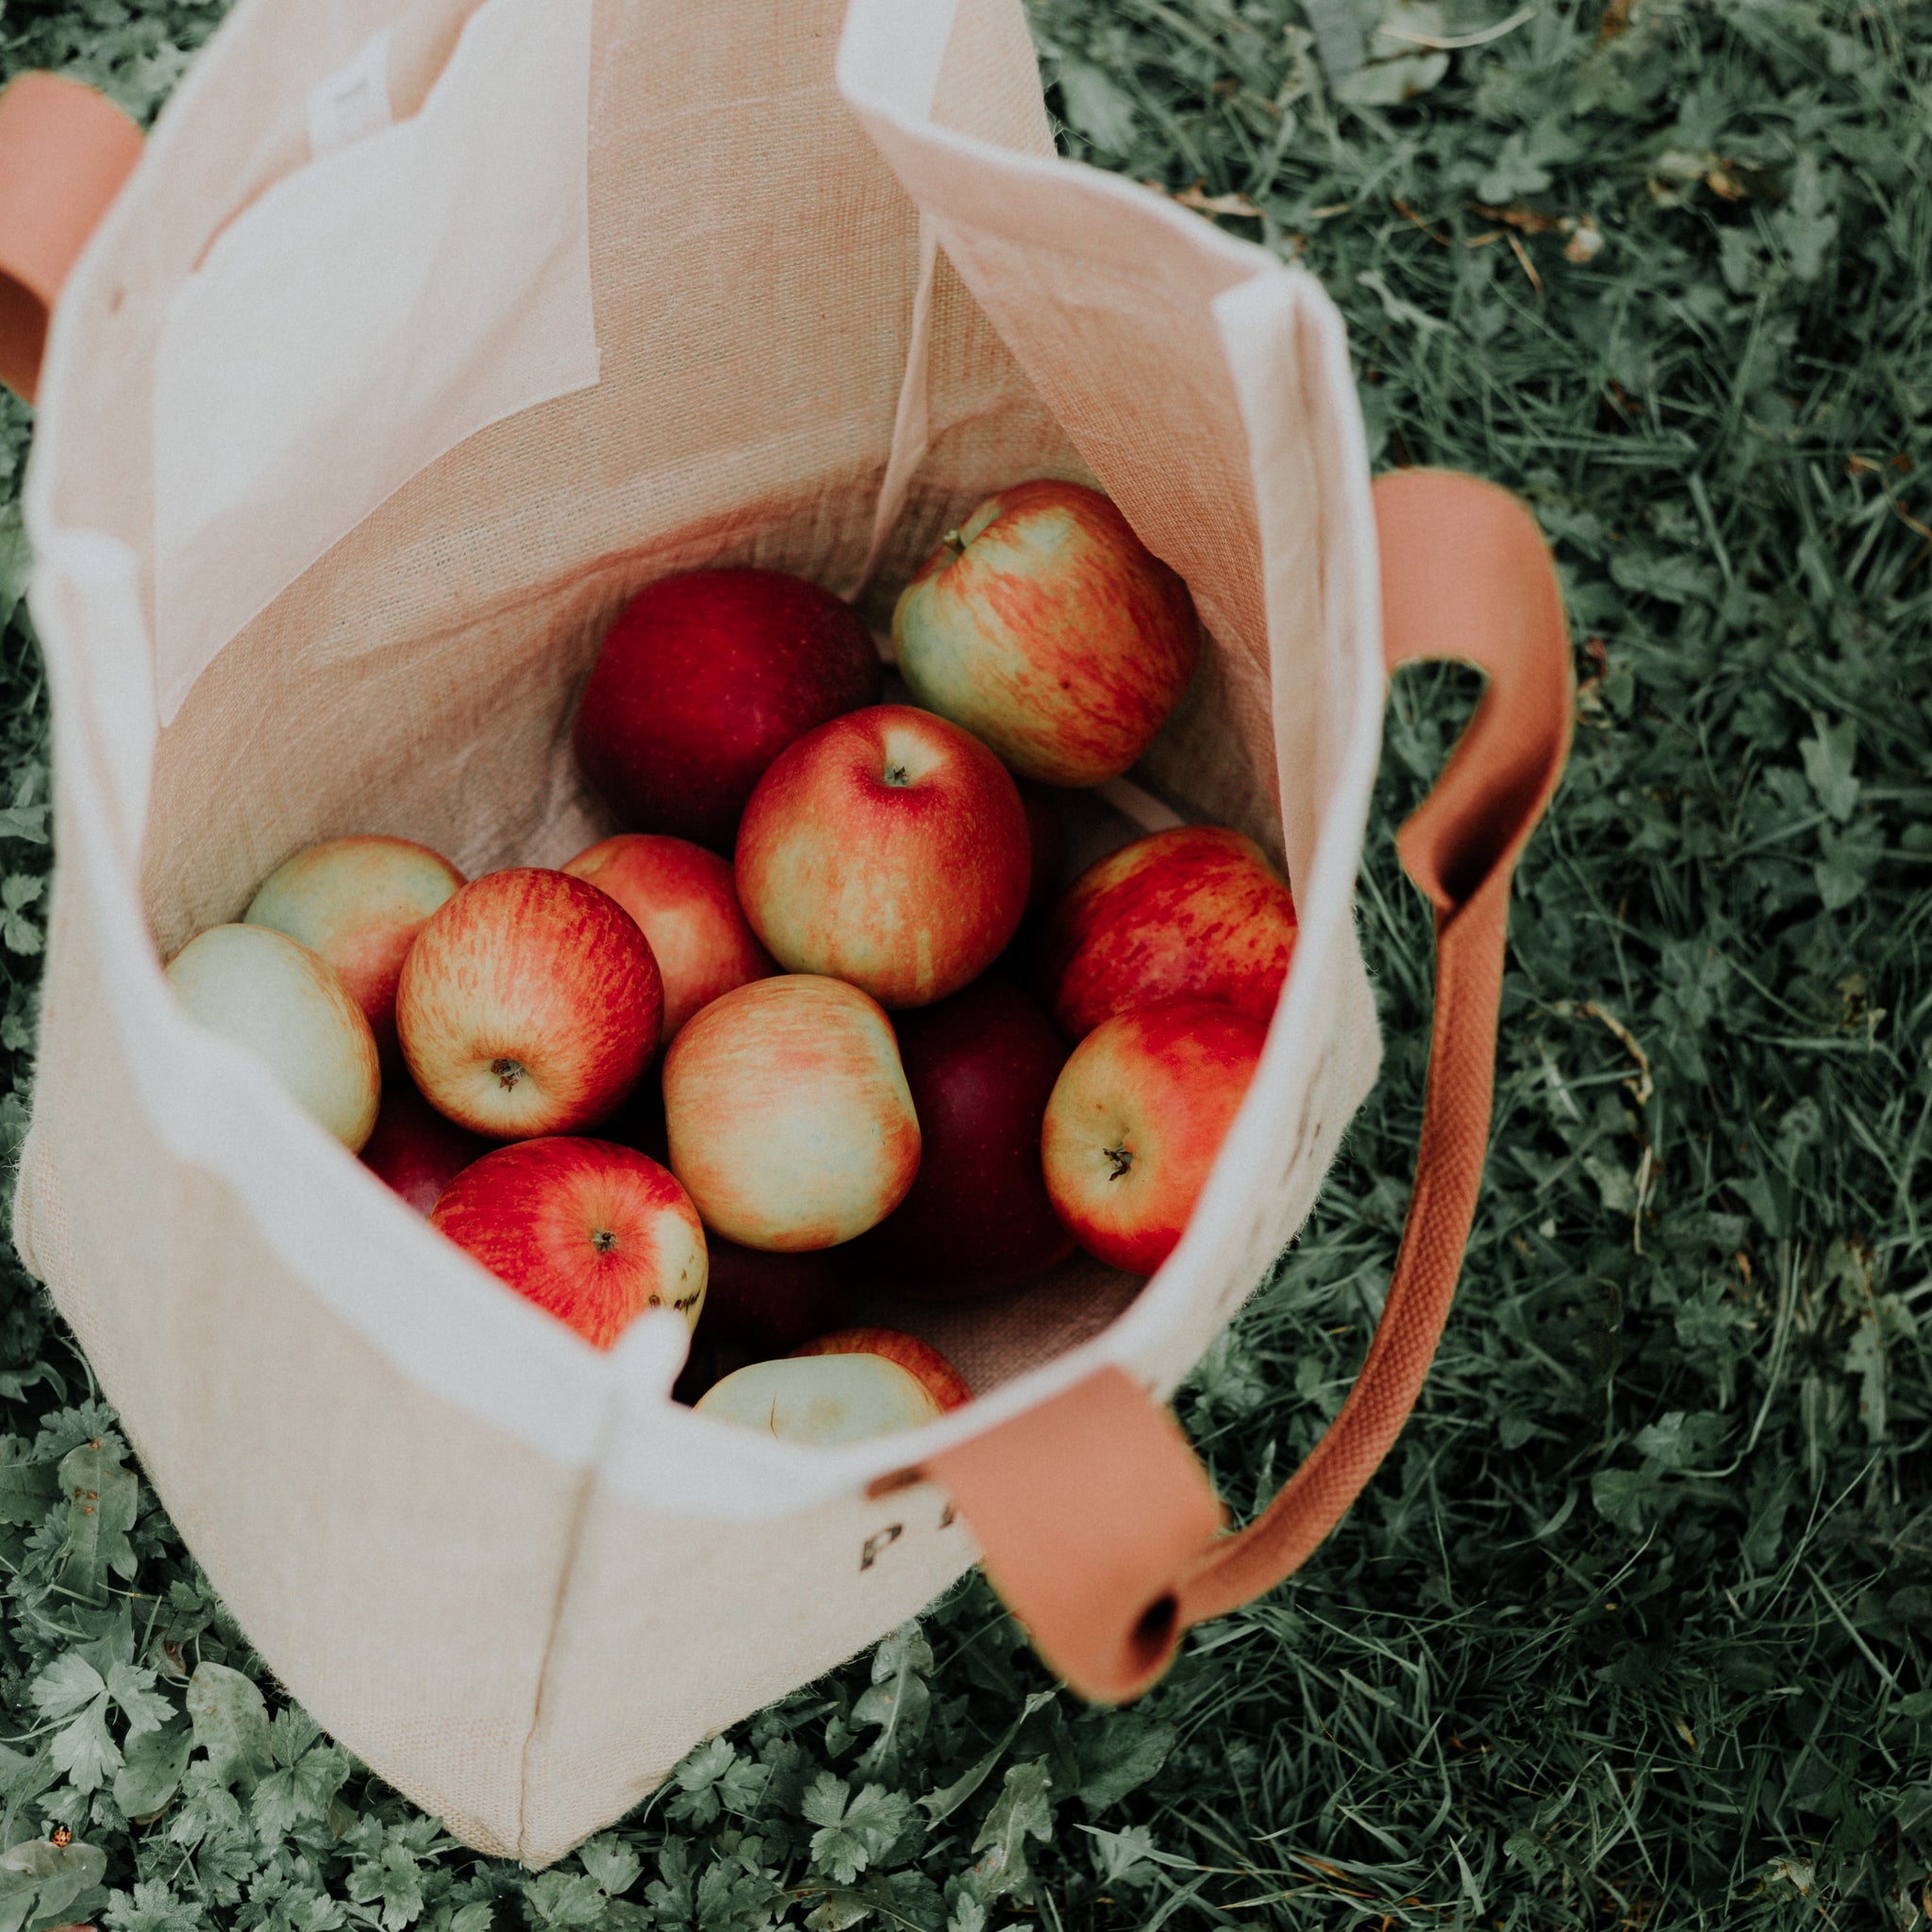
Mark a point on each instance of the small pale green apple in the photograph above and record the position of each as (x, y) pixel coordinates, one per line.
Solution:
(268, 992)
(827, 1399)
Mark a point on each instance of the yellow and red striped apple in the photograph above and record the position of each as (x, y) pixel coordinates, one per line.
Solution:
(686, 903)
(271, 994)
(592, 1232)
(889, 849)
(1046, 627)
(1193, 913)
(529, 1004)
(788, 1113)
(1135, 1118)
(359, 903)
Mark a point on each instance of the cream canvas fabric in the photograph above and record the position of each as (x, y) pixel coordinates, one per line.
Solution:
(839, 288)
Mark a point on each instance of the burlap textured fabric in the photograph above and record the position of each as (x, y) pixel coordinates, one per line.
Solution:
(835, 288)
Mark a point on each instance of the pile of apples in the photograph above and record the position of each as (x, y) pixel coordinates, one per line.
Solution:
(742, 1087)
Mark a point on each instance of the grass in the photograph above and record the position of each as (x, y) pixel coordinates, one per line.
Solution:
(1632, 1629)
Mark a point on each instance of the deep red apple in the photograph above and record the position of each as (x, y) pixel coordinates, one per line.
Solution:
(1046, 627)
(768, 1301)
(889, 849)
(979, 1066)
(529, 1004)
(702, 681)
(686, 902)
(1195, 913)
(416, 1151)
(1135, 1118)
(593, 1232)
(923, 1362)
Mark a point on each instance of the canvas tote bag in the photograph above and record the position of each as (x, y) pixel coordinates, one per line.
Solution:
(420, 336)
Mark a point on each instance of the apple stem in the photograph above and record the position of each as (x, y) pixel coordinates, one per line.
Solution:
(955, 545)
(1122, 1158)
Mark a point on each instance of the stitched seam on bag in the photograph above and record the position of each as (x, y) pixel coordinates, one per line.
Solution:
(580, 1509)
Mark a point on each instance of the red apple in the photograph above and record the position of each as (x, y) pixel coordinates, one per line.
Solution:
(889, 849)
(529, 1004)
(788, 1113)
(923, 1362)
(358, 902)
(416, 1151)
(979, 1067)
(1047, 628)
(1135, 1118)
(684, 900)
(593, 1232)
(769, 1302)
(702, 681)
(822, 1399)
(1195, 913)
(269, 993)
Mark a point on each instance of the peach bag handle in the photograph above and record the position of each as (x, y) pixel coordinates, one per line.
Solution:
(1098, 1523)
(64, 152)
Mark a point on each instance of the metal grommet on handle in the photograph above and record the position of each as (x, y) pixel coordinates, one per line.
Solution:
(1089, 1508)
